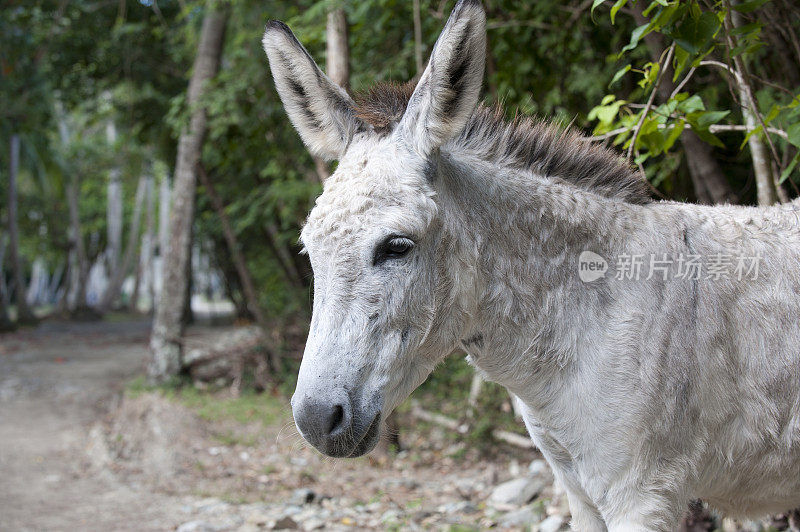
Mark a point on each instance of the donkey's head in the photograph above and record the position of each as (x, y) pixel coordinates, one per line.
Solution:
(383, 281)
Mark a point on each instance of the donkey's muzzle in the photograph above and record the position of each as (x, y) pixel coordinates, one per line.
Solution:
(328, 423)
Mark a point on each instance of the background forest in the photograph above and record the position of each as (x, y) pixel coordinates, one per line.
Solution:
(120, 185)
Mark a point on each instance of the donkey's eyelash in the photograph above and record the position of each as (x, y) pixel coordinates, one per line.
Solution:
(393, 246)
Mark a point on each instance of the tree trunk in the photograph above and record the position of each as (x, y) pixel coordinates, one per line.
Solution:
(24, 313)
(337, 62)
(165, 342)
(114, 288)
(765, 181)
(418, 60)
(114, 209)
(709, 181)
(79, 264)
(148, 242)
(5, 320)
(245, 278)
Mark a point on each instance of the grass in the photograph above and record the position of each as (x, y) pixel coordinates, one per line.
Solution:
(215, 405)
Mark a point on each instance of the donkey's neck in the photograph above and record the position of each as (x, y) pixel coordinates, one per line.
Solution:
(524, 233)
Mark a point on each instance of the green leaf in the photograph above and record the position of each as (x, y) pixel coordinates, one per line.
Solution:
(793, 133)
(755, 131)
(709, 138)
(595, 5)
(786, 173)
(636, 36)
(695, 34)
(692, 104)
(616, 7)
(704, 119)
(673, 135)
(750, 6)
(621, 72)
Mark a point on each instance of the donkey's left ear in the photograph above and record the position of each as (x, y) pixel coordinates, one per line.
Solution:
(321, 111)
(450, 86)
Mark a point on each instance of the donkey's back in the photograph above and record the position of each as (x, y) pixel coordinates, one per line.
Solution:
(728, 352)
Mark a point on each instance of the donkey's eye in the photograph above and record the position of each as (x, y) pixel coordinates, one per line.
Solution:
(391, 248)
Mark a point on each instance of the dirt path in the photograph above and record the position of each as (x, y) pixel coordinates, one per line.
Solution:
(54, 384)
(77, 454)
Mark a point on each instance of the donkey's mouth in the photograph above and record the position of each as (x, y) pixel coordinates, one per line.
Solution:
(370, 438)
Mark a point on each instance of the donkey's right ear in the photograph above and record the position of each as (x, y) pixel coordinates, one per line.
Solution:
(321, 111)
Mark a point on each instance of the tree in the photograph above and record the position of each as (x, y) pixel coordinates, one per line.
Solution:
(24, 313)
(165, 345)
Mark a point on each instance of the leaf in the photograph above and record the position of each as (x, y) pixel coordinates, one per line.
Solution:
(786, 173)
(636, 36)
(704, 119)
(793, 133)
(692, 104)
(596, 4)
(616, 7)
(749, 7)
(621, 72)
(674, 135)
(695, 34)
(755, 131)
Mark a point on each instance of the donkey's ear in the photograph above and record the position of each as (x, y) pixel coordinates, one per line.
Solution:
(448, 91)
(321, 111)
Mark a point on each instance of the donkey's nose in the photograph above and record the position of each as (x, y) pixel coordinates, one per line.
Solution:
(324, 419)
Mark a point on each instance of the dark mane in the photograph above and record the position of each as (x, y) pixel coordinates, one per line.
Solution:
(537, 145)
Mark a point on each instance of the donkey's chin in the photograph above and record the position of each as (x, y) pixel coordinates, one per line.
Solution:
(355, 447)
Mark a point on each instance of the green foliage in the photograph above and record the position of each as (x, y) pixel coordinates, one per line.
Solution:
(704, 42)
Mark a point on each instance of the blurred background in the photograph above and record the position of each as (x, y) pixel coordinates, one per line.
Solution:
(153, 300)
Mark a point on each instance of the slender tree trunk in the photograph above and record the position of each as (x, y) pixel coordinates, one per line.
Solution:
(148, 241)
(114, 209)
(418, 60)
(245, 278)
(765, 180)
(114, 288)
(337, 62)
(24, 313)
(79, 264)
(5, 320)
(708, 179)
(165, 342)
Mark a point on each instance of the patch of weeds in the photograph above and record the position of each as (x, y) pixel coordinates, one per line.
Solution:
(212, 405)
(462, 528)
(414, 504)
(268, 469)
(230, 439)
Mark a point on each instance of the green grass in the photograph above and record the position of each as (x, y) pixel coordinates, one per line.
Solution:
(249, 407)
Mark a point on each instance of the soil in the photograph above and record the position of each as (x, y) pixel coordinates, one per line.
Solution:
(79, 453)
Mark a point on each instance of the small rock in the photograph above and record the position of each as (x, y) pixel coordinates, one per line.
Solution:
(539, 468)
(244, 456)
(524, 517)
(284, 523)
(196, 526)
(518, 491)
(302, 496)
(464, 507)
(298, 461)
(389, 516)
(313, 524)
(551, 524)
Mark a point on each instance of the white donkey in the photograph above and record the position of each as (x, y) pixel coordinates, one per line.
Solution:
(654, 367)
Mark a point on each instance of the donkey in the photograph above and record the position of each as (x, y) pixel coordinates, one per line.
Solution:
(446, 227)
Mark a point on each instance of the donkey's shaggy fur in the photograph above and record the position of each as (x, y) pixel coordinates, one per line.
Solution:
(445, 227)
(538, 146)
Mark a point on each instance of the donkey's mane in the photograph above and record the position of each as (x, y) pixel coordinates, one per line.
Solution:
(537, 145)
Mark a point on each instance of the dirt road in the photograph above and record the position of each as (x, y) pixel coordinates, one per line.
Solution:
(55, 382)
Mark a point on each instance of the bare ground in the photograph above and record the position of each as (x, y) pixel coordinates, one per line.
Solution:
(77, 453)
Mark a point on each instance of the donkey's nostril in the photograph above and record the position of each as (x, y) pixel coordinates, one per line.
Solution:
(337, 416)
